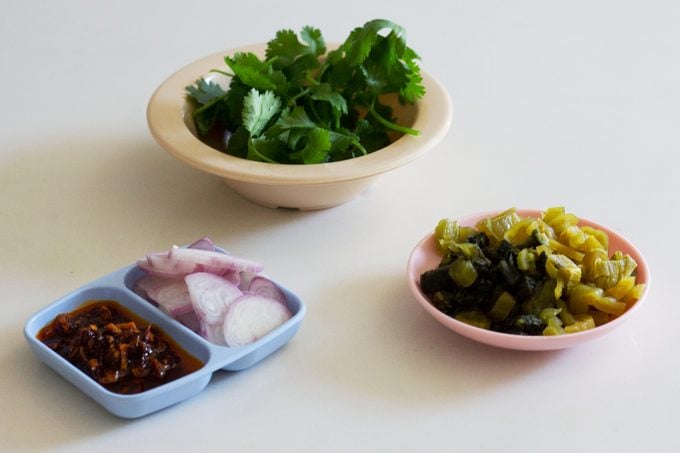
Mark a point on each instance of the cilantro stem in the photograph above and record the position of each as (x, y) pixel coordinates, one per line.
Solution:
(322, 69)
(252, 148)
(391, 125)
(312, 80)
(302, 93)
(208, 105)
(358, 145)
(224, 73)
(316, 115)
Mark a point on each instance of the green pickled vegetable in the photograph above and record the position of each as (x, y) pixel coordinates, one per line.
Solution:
(565, 315)
(542, 298)
(565, 272)
(526, 261)
(496, 226)
(448, 234)
(475, 318)
(553, 322)
(502, 307)
(463, 272)
(530, 276)
(607, 273)
(581, 323)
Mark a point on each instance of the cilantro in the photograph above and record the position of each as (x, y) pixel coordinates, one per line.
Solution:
(301, 105)
(324, 92)
(205, 91)
(265, 150)
(258, 109)
(209, 96)
(255, 73)
(317, 145)
(314, 39)
(362, 40)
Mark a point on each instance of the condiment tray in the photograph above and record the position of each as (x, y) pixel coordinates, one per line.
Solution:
(118, 286)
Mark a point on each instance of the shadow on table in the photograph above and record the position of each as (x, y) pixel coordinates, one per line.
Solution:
(65, 206)
(389, 348)
(51, 402)
(69, 203)
(33, 395)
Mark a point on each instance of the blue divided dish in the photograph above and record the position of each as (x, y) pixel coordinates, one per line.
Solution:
(117, 286)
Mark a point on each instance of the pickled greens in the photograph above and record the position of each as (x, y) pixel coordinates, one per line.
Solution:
(530, 276)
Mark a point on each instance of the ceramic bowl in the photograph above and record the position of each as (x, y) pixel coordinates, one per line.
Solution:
(425, 257)
(118, 286)
(314, 186)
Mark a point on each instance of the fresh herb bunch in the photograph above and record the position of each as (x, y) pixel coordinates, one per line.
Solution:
(295, 107)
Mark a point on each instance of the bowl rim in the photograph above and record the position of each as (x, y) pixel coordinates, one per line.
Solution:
(165, 119)
(524, 342)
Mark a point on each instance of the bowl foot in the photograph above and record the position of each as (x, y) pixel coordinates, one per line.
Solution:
(309, 197)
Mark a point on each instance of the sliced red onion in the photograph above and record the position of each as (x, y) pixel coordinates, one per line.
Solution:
(204, 289)
(265, 287)
(190, 320)
(251, 317)
(171, 295)
(212, 333)
(178, 262)
(149, 284)
(245, 279)
(211, 296)
(161, 264)
(233, 277)
(213, 260)
(141, 290)
(203, 244)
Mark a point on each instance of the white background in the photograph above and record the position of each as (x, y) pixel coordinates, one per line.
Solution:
(555, 103)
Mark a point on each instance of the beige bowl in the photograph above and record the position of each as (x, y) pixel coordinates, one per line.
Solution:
(314, 186)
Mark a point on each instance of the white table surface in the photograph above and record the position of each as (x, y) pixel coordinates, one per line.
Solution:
(555, 103)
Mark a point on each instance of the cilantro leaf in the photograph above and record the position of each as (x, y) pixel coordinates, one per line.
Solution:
(265, 150)
(237, 145)
(258, 109)
(293, 118)
(208, 95)
(383, 69)
(312, 36)
(285, 47)
(361, 40)
(206, 117)
(295, 59)
(256, 73)
(292, 137)
(205, 91)
(318, 143)
(345, 145)
(324, 92)
(385, 63)
(234, 103)
(371, 136)
(413, 89)
(296, 129)
(291, 126)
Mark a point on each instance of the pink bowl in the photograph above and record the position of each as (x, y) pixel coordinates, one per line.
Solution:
(425, 257)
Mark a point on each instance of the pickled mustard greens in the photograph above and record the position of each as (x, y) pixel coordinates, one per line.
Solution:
(530, 276)
(301, 105)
